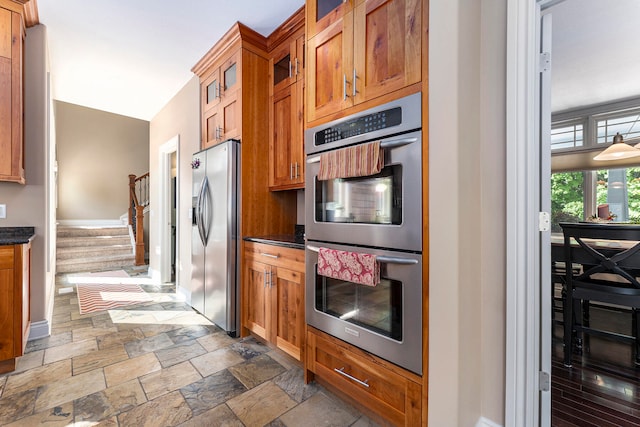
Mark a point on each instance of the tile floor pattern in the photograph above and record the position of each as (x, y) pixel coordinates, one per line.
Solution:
(159, 364)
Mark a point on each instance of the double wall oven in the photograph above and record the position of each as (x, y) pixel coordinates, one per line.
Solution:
(378, 214)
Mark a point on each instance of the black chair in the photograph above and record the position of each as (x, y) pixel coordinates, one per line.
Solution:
(610, 259)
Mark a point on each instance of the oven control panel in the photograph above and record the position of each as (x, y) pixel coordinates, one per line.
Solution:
(359, 125)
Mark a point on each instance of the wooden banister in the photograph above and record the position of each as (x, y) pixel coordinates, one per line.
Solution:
(138, 199)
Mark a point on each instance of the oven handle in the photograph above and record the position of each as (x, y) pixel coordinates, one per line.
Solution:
(385, 144)
(382, 259)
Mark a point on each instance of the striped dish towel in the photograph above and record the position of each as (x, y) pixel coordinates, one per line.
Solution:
(354, 267)
(360, 160)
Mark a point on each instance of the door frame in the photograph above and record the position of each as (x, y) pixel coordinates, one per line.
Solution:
(526, 352)
(165, 152)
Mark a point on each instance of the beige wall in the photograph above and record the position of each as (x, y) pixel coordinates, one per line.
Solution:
(27, 204)
(181, 116)
(467, 87)
(96, 153)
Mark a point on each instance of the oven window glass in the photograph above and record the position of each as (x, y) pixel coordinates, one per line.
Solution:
(375, 199)
(376, 308)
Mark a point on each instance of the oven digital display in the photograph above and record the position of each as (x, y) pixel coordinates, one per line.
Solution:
(359, 125)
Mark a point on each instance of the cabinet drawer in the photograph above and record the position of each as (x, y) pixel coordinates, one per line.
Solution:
(277, 256)
(389, 392)
(6, 257)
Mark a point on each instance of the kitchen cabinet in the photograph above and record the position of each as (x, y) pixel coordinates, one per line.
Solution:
(273, 295)
(219, 101)
(15, 315)
(360, 53)
(391, 392)
(234, 89)
(11, 95)
(286, 107)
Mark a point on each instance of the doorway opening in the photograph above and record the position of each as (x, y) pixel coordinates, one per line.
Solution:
(169, 189)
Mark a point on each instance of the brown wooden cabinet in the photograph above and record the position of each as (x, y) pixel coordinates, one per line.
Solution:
(11, 93)
(392, 393)
(360, 51)
(220, 104)
(273, 295)
(15, 316)
(286, 107)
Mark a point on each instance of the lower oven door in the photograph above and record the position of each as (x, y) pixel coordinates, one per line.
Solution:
(385, 320)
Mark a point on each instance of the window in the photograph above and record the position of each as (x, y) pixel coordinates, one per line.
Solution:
(570, 136)
(628, 125)
(576, 195)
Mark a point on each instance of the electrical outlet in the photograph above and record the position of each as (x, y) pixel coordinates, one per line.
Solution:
(3, 211)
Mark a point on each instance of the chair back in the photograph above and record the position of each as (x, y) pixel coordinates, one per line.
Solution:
(613, 249)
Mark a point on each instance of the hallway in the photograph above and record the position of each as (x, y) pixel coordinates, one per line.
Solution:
(158, 364)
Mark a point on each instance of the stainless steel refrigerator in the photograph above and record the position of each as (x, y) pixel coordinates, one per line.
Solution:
(214, 236)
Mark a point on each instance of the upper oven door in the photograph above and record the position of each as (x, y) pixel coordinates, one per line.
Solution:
(382, 210)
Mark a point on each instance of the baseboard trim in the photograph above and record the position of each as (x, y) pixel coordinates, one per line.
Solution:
(92, 222)
(40, 329)
(184, 293)
(484, 422)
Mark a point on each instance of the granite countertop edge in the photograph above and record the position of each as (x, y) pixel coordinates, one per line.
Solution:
(16, 235)
(286, 240)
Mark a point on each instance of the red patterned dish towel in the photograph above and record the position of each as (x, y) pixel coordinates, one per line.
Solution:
(360, 160)
(354, 267)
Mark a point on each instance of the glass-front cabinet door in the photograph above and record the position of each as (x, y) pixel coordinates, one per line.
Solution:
(322, 13)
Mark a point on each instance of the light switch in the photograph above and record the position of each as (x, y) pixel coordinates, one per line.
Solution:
(3, 211)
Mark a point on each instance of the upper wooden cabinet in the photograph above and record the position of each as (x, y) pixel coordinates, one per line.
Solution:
(359, 51)
(286, 107)
(237, 61)
(11, 103)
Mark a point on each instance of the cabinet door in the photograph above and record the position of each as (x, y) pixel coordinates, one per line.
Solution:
(255, 289)
(211, 90)
(282, 65)
(387, 47)
(329, 67)
(322, 13)
(286, 143)
(6, 303)
(211, 127)
(288, 309)
(230, 115)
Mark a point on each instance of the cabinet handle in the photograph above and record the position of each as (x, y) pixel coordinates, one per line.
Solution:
(344, 87)
(264, 278)
(297, 171)
(269, 255)
(271, 277)
(342, 372)
(353, 83)
(290, 171)
(297, 71)
(290, 75)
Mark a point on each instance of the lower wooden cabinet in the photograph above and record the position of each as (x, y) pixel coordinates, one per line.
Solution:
(273, 295)
(15, 315)
(383, 388)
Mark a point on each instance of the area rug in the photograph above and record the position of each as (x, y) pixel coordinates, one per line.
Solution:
(99, 297)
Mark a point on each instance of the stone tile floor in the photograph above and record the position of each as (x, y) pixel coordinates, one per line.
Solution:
(158, 364)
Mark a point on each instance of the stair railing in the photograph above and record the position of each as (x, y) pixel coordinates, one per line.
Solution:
(138, 199)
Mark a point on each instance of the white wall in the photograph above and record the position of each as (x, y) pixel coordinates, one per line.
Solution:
(467, 48)
(181, 116)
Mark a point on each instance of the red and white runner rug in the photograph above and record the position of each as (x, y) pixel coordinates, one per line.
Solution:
(100, 297)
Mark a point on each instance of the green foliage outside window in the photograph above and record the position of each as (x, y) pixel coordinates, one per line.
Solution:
(567, 195)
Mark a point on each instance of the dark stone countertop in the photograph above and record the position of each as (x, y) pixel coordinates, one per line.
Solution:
(16, 235)
(286, 240)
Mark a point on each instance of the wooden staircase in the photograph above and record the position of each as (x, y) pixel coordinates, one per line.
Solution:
(84, 249)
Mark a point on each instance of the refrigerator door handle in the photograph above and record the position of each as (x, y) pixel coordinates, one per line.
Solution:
(207, 210)
(199, 217)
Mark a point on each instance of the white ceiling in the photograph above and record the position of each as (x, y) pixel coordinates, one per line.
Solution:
(596, 52)
(131, 57)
